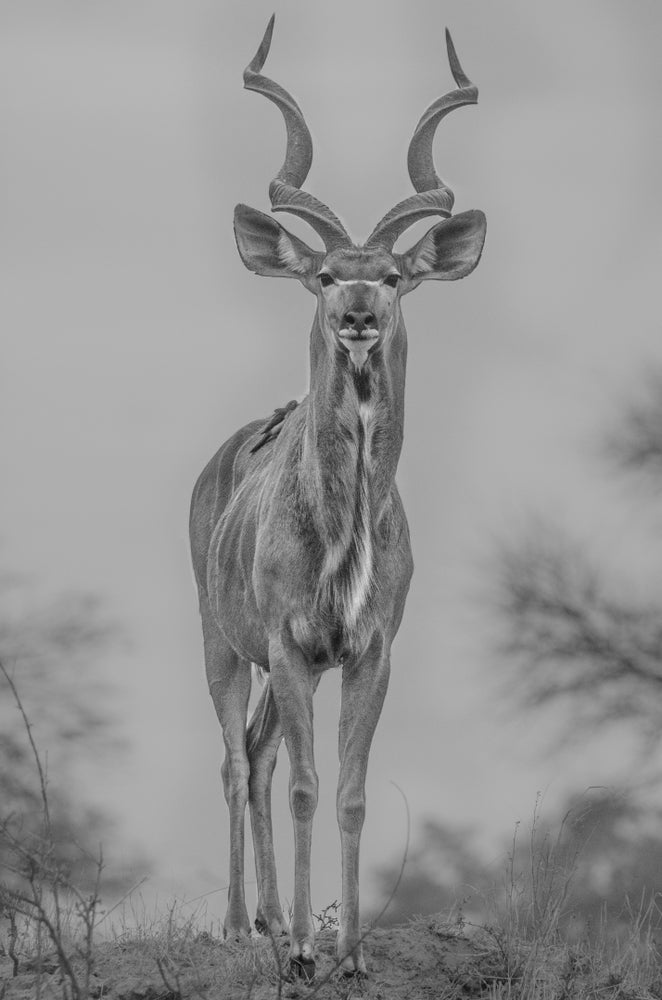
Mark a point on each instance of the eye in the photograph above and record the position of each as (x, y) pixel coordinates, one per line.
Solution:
(326, 279)
(392, 280)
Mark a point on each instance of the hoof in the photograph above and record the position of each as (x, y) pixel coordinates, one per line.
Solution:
(358, 975)
(303, 968)
(352, 965)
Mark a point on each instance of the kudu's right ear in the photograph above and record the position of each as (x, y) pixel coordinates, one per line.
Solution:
(448, 251)
(267, 248)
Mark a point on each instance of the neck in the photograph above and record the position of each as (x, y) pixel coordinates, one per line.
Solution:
(353, 439)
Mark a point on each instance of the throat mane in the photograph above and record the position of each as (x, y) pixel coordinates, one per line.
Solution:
(347, 579)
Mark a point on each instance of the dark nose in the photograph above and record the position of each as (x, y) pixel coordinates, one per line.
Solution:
(359, 321)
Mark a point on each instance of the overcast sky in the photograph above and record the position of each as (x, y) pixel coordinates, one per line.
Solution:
(134, 342)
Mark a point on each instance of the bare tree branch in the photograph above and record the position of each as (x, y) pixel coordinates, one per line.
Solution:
(637, 444)
(33, 747)
(572, 637)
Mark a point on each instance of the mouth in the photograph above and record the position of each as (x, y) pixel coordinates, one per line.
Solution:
(355, 340)
(358, 345)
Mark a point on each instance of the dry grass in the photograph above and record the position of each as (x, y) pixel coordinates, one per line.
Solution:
(522, 954)
(529, 949)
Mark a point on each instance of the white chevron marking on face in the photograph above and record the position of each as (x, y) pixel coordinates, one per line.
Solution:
(356, 281)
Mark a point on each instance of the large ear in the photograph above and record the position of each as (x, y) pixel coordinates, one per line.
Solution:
(267, 248)
(448, 251)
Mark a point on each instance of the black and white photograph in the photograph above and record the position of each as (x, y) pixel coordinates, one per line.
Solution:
(330, 607)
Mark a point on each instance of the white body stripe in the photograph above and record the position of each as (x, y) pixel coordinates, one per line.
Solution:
(349, 597)
(362, 573)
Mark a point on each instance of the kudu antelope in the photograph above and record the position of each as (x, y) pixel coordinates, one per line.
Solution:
(299, 538)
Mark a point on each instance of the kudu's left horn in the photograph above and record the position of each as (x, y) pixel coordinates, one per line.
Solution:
(434, 197)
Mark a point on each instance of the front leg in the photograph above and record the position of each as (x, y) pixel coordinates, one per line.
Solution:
(293, 685)
(363, 690)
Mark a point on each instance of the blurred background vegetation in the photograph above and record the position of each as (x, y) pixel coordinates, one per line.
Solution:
(58, 654)
(575, 639)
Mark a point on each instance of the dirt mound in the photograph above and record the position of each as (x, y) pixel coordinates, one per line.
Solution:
(416, 960)
(427, 959)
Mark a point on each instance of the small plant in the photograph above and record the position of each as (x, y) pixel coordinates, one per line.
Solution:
(526, 932)
(39, 900)
(528, 949)
(327, 919)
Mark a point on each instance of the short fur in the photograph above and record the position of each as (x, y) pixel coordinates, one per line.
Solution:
(299, 538)
(302, 556)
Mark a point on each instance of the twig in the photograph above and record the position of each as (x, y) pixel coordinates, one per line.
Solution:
(87, 910)
(13, 939)
(174, 994)
(37, 912)
(279, 964)
(37, 864)
(123, 899)
(35, 752)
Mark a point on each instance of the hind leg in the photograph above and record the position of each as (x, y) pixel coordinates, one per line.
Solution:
(229, 678)
(263, 739)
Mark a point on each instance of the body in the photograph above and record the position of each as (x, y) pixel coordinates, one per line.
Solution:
(299, 538)
(301, 553)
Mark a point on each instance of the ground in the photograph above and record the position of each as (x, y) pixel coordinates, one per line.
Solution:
(420, 960)
(426, 959)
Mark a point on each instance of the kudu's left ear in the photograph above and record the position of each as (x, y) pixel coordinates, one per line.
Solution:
(267, 248)
(448, 251)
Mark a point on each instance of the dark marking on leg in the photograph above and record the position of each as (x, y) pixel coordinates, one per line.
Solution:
(303, 968)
